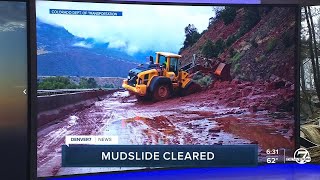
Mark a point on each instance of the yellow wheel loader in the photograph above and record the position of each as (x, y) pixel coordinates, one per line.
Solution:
(161, 79)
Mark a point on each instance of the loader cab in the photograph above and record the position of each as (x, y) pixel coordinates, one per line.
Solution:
(169, 63)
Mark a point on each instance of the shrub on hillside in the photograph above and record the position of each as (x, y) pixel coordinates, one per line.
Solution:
(219, 46)
(272, 43)
(208, 49)
(231, 39)
(236, 58)
(236, 68)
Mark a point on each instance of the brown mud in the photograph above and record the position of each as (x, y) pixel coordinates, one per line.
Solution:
(227, 113)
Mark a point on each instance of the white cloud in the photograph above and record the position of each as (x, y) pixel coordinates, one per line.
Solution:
(117, 44)
(83, 44)
(141, 28)
(12, 26)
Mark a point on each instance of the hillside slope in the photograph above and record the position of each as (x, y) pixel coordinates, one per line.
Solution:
(265, 50)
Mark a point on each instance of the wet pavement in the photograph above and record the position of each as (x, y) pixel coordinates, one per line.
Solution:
(196, 119)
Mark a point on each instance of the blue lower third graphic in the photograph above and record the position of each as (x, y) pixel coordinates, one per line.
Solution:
(159, 155)
(85, 12)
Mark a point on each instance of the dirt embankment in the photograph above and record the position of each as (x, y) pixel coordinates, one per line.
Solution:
(267, 49)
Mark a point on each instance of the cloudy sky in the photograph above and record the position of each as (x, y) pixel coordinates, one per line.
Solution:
(141, 28)
(13, 64)
(13, 45)
(12, 16)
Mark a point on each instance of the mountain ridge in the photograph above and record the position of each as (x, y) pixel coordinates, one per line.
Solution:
(62, 54)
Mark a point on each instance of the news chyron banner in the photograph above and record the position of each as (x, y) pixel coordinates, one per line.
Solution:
(103, 151)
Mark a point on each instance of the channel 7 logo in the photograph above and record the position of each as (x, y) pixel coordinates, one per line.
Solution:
(302, 156)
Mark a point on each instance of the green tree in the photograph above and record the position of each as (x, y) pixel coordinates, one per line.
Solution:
(92, 83)
(108, 86)
(83, 83)
(192, 36)
(58, 82)
(212, 20)
(88, 83)
(228, 15)
(217, 11)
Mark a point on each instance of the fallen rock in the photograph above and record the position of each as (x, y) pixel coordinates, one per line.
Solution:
(274, 78)
(214, 130)
(292, 87)
(253, 109)
(261, 108)
(288, 84)
(246, 91)
(279, 84)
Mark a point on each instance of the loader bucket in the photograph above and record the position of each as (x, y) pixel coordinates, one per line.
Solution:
(223, 72)
(191, 88)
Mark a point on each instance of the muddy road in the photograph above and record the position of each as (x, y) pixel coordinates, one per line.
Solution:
(203, 118)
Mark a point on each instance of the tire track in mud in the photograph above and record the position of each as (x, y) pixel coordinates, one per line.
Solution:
(51, 138)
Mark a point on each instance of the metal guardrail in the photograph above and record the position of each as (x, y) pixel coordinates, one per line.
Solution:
(69, 91)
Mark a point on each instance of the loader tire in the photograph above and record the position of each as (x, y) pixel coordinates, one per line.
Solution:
(161, 92)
